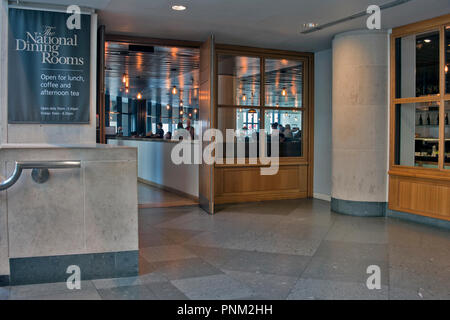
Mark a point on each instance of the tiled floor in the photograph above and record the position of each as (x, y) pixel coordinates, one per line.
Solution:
(275, 250)
(152, 197)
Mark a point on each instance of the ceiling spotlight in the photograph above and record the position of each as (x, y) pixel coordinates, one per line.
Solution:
(178, 8)
(195, 110)
(174, 90)
(427, 40)
(446, 68)
(244, 98)
(310, 25)
(139, 96)
(284, 92)
(168, 107)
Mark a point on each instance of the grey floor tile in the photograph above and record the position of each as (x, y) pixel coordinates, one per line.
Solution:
(268, 263)
(265, 286)
(416, 255)
(314, 289)
(410, 294)
(185, 268)
(166, 291)
(90, 294)
(345, 270)
(359, 229)
(217, 287)
(36, 290)
(432, 281)
(114, 283)
(152, 278)
(279, 243)
(213, 255)
(139, 292)
(165, 253)
(352, 250)
(4, 293)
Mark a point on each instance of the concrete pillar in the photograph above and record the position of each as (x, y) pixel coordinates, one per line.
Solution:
(360, 123)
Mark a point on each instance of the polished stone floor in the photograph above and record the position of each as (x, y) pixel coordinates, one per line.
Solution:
(152, 197)
(275, 250)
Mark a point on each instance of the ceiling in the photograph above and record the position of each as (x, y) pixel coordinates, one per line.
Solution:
(260, 23)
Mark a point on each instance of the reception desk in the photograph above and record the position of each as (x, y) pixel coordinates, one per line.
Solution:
(155, 165)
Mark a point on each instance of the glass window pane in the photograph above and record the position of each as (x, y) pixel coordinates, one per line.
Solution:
(245, 122)
(417, 65)
(447, 135)
(290, 124)
(284, 83)
(417, 135)
(239, 80)
(447, 59)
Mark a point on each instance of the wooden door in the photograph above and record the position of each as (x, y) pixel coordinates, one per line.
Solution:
(206, 116)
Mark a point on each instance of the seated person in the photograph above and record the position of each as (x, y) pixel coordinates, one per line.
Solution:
(190, 129)
(159, 132)
(168, 136)
(288, 132)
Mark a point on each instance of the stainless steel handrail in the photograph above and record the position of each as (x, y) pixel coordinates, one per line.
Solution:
(22, 165)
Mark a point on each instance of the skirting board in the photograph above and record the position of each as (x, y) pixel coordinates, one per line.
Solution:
(35, 270)
(168, 189)
(322, 196)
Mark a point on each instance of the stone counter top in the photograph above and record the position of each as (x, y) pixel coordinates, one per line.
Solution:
(61, 146)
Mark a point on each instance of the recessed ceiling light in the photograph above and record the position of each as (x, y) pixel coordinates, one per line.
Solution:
(310, 25)
(427, 40)
(178, 8)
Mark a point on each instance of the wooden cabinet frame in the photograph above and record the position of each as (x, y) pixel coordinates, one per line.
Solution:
(414, 180)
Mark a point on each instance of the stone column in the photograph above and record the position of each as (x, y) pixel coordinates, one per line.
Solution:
(360, 123)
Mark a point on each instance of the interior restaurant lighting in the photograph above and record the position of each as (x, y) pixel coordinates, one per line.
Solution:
(178, 8)
(174, 90)
(124, 78)
(284, 92)
(181, 103)
(139, 96)
(168, 107)
(446, 68)
(181, 112)
(195, 110)
(252, 111)
(244, 97)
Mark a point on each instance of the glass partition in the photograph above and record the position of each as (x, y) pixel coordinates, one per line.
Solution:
(283, 83)
(239, 80)
(417, 65)
(290, 126)
(447, 135)
(417, 136)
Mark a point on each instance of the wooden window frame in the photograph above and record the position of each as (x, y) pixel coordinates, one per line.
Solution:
(436, 24)
(307, 108)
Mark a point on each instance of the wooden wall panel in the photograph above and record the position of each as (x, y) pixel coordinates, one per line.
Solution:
(245, 184)
(420, 196)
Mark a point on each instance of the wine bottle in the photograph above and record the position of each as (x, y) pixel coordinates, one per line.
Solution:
(428, 120)
(446, 119)
(437, 120)
(420, 121)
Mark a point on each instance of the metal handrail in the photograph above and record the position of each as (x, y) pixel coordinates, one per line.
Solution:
(45, 165)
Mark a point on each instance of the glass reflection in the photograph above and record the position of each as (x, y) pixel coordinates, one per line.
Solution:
(290, 126)
(417, 65)
(238, 80)
(417, 136)
(284, 83)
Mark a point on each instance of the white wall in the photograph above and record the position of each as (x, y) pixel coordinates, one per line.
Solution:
(322, 124)
(155, 165)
